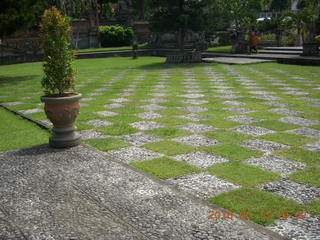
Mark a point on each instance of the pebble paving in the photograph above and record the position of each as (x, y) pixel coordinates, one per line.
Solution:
(237, 97)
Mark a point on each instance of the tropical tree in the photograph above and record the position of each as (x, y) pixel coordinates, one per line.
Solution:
(178, 16)
(16, 15)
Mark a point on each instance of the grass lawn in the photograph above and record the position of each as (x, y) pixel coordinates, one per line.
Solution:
(202, 118)
(15, 132)
(220, 49)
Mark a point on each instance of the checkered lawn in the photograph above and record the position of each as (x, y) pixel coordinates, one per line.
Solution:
(244, 137)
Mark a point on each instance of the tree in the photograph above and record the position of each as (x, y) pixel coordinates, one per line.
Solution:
(178, 16)
(16, 15)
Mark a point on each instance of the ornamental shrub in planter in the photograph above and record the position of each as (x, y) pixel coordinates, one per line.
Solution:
(61, 106)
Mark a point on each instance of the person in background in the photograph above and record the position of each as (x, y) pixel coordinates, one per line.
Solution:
(254, 40)
(234, 40)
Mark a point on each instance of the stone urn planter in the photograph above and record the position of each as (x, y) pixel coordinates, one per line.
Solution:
(310, 49)
(61, 106)
(62, 112)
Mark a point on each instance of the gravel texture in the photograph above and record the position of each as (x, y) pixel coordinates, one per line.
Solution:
(133, 154)
(302, 193)
(202, 185)
(253, 130)
(89, 134)
(299, 121)
(243, 119)
(196, 140)
(308, 132)
(98, 123)
(276, 164)
(140, 138)
(196, 128)
(263, 145)
(200, 159)
(146, 125)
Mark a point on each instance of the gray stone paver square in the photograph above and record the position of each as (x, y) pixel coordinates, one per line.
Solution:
(253, 130)
(263, 145)
(133, 154)
(314, 146)
(196, 140)
(12, 103)
(152, 107)
(158, 94)
(194, 95)
(94, 94)
(120, 100)
(261, 92)
(203, 185)
(302, 193)
(239, 110)
(156, 100)
(194, 101)
(276, 164)
(308, 132)
(87, 99)
(200, 159)
(296, 93)
(229, 96)
(234, 103)
(114, 105)
(226, 91)
(298, 121)
(90, 134)
(146, 125)
(140, 138)
(107, 113)
(195, 109)
(194, 117)
(149, 115)
(243, 119)
(297, 228)
(285, 111)
(98, 122)
(276, 104)
(268, 98)
(196, 128)
(29, 111)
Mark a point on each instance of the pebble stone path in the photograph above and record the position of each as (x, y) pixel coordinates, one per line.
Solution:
(240, 99)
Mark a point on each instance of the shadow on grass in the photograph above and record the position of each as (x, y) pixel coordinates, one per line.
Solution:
(157, 66)
(13, 80)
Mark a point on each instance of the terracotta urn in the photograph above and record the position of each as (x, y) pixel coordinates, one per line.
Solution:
(62, 112)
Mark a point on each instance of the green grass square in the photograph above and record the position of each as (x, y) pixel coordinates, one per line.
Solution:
(287, 138)
(117, 129)
(264, 115)
(171, 121)
(276, 125)
(220, 123)
(165, 167)
(255, 204)
(309, 175)
(241, 173)
(169, 147)
(106, 144)
(301, 155)
(227, 136)
(168, 132)
(233, 151)
(313, 207)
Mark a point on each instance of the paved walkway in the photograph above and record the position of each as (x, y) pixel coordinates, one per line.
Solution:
(231, 60)
(81, 193)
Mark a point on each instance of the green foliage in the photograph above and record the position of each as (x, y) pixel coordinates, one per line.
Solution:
(59, 75)
(16, 15)
(178, 16)
(115, 35)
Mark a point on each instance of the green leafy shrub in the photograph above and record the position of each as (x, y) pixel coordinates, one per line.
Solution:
(115, 35)
(56, 31)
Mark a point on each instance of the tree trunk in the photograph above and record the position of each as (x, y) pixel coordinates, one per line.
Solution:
(181, 37)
